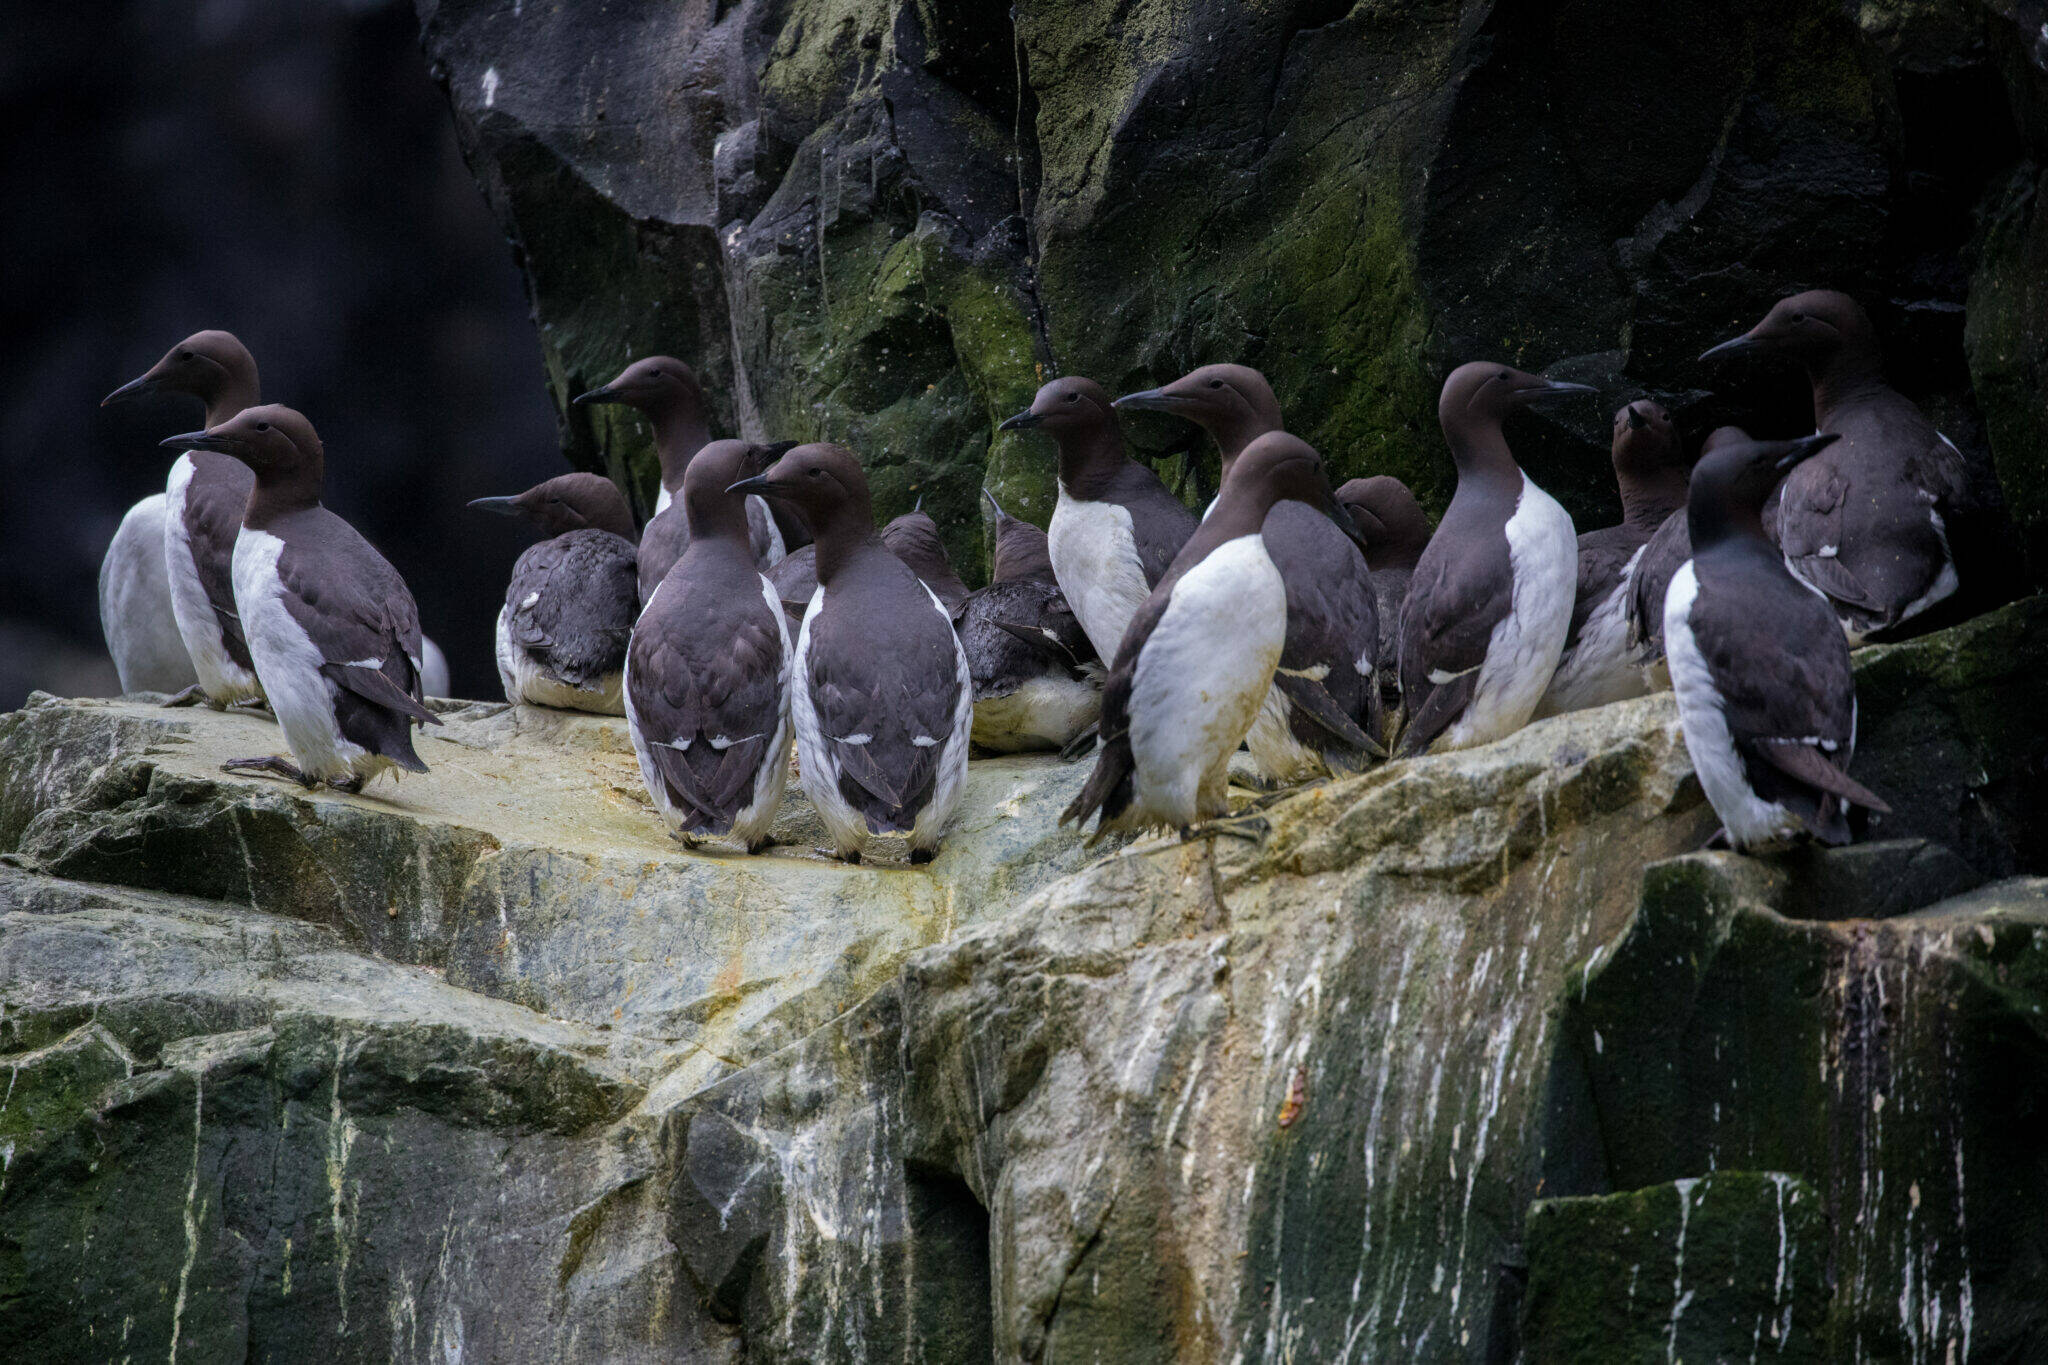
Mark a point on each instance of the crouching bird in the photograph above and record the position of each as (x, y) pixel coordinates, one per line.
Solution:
(707, 676)
(880, 697)
(1758, 662)
(1037, 682)
(331, 626)
(1199, 654)
(570, 602)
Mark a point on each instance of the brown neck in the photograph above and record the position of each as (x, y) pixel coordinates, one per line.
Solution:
(238, 392)
(1646, 499)
(1232, 434)
(679, 432)
(1849, 373)
(1089, 458)
(1481, 452)
(714, 514)
(283, 491)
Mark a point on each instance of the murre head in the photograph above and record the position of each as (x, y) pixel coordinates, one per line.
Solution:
(1021, 549)
(276, 442)
(1485, 392)
(1820, 329)
(709, 504)
(214, 367)
(659, 381)
(1274, 468)
(1395, 527)
(565, 503)
(1233, 403)
(825, 485)
(1733, 480)
(1065, 408)
(1645, 441)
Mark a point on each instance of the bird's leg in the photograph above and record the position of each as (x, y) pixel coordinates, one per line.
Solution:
(275, 764)
(261, 704)
(195, 695)
(1249, 826)
(844, 855)
(351, 785)
(1718, 840)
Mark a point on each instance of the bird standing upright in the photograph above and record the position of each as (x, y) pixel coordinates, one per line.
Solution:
(1866, 521)
(1396, 532)
(1597, 665)
(880, 699)
(571, 600)
(1198, 657)
(204, 500)
(1670, 546)
(1759, 663)
(331, 626)
(708, 672)
(1115, 529)
(1491, 599)
(1323, 714)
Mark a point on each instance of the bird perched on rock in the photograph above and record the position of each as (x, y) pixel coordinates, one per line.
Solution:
(881, 698)
(561, 638)
(1198, 657)
(1867, 521)
(330, 624)
(1323, 715)
(1037, 682)
(1758, 662)
(202, 509)
(1669, 547)
(1396, 532)
(1491, 599)
(433, 669)
(666, 391)
(1115, 529)
(1598, 666)
(707, 676)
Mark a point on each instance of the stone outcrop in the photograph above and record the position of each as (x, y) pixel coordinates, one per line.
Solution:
(1465, 1055)
(884, 222)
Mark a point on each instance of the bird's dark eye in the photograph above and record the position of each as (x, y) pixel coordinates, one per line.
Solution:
(1215, 383)
(184, 355)
(263, 426)
(1799, 317)
(1502, 376)
(1073, 398)
(814, 473)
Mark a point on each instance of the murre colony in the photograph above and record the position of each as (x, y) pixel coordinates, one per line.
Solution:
(761, 608)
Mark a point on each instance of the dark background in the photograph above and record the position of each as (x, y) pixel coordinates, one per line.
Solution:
(287, 172)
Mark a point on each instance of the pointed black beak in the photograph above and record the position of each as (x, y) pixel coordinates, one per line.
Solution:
(1023, 421)
(917, 506)
(504, 507)
(1000, 513)
(758, 484)
(1805, 448)
(597, 395)
(1341, 515)
(1636, 421)
(1742, 345)
(134, 388)
(1552, 388)
(199, 440)
(1150, 400)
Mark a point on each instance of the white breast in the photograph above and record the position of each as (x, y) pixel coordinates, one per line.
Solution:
(223, 679)
(662, 499)
(1095, 561)
(1521, 656)
(1749, 819)
(1202, 674)
(135, 605)
(1600, 667)
(289, 662)
(526, 681)
(814, 758)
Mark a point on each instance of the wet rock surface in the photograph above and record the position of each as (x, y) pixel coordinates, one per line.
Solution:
(484, 1065)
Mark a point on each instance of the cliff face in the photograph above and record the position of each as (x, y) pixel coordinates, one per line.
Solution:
(1462, 1056)
(886, 221)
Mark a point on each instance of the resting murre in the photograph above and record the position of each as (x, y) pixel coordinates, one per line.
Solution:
(1198, 658)
(707, 676)
(1758, 662)
(914, 539)
(666, 391)
(330, 624)
(1325, 694)
(1115, 529)
(1866, 521)
(1491, 599)
(1598, 666)
(204, 500)
(1037, 682)
(571, 600)
(1669, 547)
(880, 695)
(1396, 532)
